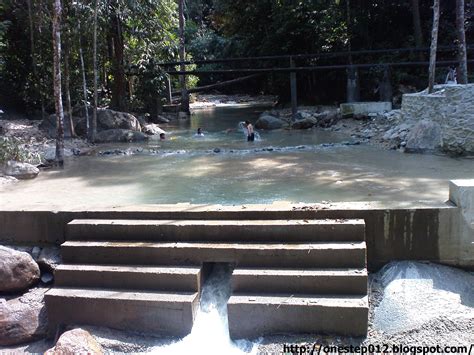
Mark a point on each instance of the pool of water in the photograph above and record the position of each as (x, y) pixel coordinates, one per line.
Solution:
(223, 168)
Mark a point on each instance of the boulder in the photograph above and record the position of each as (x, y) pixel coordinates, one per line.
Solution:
(267, 121)
(18, 270)
(49, 258)
(23, 319)
(108, 119)
(50, 153)
(120, 135)
(152, 129)
(19, 170)
(304, 121)
(48, 125)
(76, 341)
(424, 136)
(159, 119)
(328, 118)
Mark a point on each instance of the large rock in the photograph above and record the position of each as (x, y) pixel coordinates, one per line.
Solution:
(120, 135)
(76, 341)
(267, 121)
(23, 319)
(19, 170)
(48, 125)
(304, 121)
(18, 270)
(107, 119)
(424, 136)
(49, 258)
(152, 129)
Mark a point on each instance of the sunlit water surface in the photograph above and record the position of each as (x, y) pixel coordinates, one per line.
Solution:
(223, 168)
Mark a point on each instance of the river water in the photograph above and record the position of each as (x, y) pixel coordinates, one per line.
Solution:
(223, 168)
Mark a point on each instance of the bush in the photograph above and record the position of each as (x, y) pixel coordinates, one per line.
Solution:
(11, 149)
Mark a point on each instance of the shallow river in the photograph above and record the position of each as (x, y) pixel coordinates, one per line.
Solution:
(297, 166)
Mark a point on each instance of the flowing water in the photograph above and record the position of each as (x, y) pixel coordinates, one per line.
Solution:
(210, 333)
(221, 167)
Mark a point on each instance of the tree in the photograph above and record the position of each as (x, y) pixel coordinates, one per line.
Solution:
(461, 39)
(57, 82)
(93, 124)
(434, 46)
(418, 33)
(182, 58)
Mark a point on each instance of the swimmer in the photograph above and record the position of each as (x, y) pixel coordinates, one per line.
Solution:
(250, 132)
(199, 133)
(162, 137)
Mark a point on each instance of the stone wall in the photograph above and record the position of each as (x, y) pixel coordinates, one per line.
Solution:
(449, 106)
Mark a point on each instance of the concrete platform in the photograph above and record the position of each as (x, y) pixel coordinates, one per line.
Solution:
(288, 231)
(299, 281)
(251, 316)
(158, 313)
(307, 255)
(166, 279)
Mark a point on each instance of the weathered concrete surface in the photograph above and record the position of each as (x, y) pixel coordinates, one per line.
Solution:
(336, 254)
(251, 316)
(394, 231)
(294, 281)
(159, 313)
(459, 249)
(451, 107)
(177, 279)
(287, 231)
(364, 108)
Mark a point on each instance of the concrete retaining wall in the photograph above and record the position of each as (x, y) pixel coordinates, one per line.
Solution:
(451, 107)
(405, 231)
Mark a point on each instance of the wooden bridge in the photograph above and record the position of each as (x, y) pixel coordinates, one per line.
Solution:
(306, 63)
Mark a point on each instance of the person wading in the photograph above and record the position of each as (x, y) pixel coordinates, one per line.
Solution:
(250, 132)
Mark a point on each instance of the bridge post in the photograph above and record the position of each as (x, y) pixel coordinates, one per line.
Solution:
(353, 91)
(168, 90)
(293, 87)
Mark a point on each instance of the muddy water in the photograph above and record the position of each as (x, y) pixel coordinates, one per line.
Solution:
(297, 166)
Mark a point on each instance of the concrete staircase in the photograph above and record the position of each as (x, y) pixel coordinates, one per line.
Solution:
(291, 276)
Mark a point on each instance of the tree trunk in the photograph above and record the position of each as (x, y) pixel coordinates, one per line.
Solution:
(37, 85)
(84, 81)
(57, 83)
(434, 46)
(93, 125)
(182, 58)
(415, 5)
(119, 84)
(67, 87)
(461, 34)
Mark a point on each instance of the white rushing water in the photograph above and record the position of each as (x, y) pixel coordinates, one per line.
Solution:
(210, 332)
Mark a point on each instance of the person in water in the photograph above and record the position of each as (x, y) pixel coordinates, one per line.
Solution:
(162, 137)
(199, 133)
(250, 132)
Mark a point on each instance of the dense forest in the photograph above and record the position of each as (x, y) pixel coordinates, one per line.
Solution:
(134, 37)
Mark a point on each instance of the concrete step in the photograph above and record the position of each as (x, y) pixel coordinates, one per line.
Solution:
(171, 279)
(307, 255)
(298, 281)
(287, 231)
(158, 313)
(250, 316)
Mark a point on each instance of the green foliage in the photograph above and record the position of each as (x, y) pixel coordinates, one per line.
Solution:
(11, 149)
